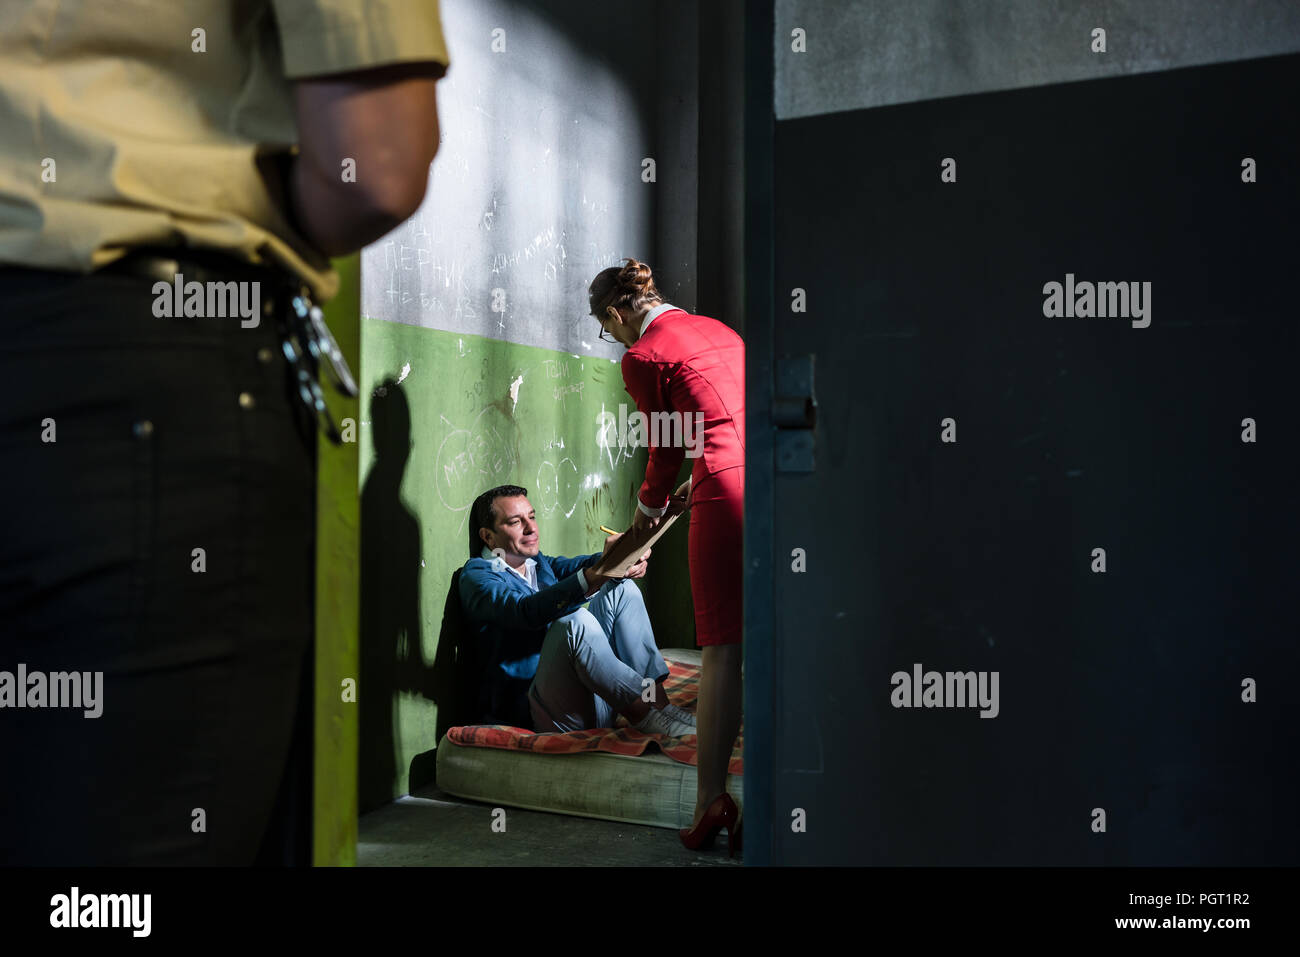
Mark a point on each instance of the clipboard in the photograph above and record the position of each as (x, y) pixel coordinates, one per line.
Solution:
(627, 551)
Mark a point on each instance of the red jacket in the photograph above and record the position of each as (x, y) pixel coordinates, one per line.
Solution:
(687, 364)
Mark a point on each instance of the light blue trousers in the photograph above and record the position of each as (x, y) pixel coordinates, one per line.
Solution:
(593, 662)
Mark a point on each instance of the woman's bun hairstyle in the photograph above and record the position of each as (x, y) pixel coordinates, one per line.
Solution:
(635, 276)
(631, 286)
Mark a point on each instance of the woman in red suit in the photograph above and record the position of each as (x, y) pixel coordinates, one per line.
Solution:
(694, 366)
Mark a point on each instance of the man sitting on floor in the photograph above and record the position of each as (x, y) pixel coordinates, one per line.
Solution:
(548, 662)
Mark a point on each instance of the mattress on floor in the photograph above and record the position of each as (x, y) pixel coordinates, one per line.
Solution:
(650, 788)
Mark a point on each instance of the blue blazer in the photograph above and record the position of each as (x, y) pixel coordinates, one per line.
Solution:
(508, 621)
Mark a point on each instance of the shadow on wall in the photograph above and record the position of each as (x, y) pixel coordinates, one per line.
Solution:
(392, 655)
(390, 595)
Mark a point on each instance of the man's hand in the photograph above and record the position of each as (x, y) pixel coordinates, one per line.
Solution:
(639, 569)
(609, 543)
(594, 579)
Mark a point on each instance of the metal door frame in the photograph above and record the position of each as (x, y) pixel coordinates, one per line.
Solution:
(761, 704)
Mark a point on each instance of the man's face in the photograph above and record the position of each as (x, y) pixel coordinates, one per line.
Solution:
(515, 531)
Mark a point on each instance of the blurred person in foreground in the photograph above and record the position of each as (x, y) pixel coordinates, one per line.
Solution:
(173, 180)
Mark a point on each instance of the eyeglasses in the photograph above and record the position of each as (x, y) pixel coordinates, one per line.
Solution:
(605, 336)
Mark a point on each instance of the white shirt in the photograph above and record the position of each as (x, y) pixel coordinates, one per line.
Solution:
(529, 573)
(650, 317)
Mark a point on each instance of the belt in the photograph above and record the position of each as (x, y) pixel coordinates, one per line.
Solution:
(305, 339)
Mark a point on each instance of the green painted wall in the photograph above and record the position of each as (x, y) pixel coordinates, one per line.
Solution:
(338, 540)
(444, 417)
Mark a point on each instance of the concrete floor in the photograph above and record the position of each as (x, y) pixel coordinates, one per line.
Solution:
(431, 828)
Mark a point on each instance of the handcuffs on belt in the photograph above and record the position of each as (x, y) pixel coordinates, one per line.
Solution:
(306, 340)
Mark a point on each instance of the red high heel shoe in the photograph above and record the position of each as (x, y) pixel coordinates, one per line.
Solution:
(721, 813)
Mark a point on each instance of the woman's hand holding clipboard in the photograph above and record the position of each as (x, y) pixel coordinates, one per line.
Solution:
(678, 502)
(634, 545)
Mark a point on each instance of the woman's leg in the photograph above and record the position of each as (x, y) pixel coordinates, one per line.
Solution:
(717, 720)
(716, 554)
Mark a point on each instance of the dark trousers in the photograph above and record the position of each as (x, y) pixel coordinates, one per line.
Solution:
(166, 539)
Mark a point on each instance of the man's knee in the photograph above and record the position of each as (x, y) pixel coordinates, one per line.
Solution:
(625, 598)
(628, 591)
(576, 628)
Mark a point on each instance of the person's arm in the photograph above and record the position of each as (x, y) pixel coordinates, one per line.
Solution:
(590, 581)
(562, 567)
(386, 121)
(486, 599)
(644, 382)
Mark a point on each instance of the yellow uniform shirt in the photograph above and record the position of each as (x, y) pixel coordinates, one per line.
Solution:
(129, 123)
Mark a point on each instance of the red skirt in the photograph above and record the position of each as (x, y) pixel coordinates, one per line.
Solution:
(717, 553)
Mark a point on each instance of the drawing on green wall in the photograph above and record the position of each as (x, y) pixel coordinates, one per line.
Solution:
(561, 460)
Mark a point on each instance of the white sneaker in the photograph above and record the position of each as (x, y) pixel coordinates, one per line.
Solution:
(661, 722)
(681, 714)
